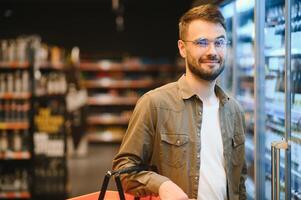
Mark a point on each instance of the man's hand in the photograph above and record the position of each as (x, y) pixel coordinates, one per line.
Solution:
(170, 191)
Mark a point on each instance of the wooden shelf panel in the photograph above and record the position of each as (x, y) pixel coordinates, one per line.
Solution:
(104, 137)
(90, 66)
(108, 120)
(109, 100)
(14, 125)
(105, 83)
(20, 155)
(8, 96)
(50, 96)
(52, 66)
(14, 65)
(15, 195)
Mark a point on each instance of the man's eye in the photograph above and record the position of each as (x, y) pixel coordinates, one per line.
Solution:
(219, 43)
(202, 42)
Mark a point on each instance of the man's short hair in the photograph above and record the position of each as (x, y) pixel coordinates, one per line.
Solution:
(207, 12)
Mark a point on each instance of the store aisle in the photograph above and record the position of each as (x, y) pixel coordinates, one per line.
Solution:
(86, 173)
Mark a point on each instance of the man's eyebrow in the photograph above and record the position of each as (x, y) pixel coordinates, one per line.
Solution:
(222, 36)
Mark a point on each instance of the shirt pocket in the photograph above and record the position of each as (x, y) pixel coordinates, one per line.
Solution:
(238, 151)
(173, 149)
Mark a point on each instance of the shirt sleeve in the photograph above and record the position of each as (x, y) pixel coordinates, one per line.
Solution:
(136, 149)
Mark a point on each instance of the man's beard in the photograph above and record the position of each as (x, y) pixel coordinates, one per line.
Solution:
(197, 70)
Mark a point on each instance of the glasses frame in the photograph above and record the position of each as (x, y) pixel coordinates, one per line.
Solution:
(196, 42)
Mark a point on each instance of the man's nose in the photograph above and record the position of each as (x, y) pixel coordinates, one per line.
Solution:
(211, 48)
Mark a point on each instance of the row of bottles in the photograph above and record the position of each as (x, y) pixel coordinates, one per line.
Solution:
(50, 54)
(49, 145)
(14, 82)
(20, 50)
(14, 141)
(14, 111)
(49, 125)
(276, 16)
(51, 84)
(15, 50)
(275, 81)
(15, 180)
(50, 176)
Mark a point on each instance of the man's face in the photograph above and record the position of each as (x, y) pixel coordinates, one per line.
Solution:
(204, 49)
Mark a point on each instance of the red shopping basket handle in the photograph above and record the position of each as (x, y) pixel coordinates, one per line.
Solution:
(116, 175)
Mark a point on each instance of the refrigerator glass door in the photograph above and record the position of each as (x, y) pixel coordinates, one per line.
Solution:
(295, 138)
(274, 87)
(239, 71)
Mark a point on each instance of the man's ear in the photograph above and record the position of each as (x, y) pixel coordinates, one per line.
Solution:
(182, 49)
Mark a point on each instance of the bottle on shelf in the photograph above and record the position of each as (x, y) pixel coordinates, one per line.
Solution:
(17, 141)
(3, 141)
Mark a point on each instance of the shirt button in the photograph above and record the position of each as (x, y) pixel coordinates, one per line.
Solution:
(198, 156)
(198, 135)
(196, 178)
(178, 142)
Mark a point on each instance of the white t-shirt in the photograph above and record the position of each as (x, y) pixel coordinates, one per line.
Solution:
(212, 181)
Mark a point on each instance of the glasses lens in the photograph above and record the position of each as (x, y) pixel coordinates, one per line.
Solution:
(220, 42)
(202, 42)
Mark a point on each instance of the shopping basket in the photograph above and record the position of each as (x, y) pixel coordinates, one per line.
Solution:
(105, 194)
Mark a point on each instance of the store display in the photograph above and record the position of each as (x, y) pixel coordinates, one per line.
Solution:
(274, 115)
(275, 75)
(14, 180)
(114, 87)
(32, 101)
(243, 70)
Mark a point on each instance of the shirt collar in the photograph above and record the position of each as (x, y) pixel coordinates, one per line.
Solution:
(186, 92)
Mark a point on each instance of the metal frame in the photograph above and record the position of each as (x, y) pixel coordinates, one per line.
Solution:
(287, 97)
(234, 46)
(259, 92)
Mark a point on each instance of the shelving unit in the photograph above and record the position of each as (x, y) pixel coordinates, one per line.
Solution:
(16, 151)
(114, 88)
(25, 160)
(50, 139)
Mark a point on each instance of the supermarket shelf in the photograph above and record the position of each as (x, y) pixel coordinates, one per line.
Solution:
(108, 120)
(8, 96)
(109, 100)
(89, 66)
(279, 111)
(104, 137)
(271, 108)
(14, 65)
(10, 155)
(107, 83)
(247, 84)
(296, 136)
(247, 103)
(280, 52)
(52, 66)
(14, 125)
(15, 195)
(50, 96)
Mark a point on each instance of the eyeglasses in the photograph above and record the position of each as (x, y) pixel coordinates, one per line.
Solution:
(219, 43)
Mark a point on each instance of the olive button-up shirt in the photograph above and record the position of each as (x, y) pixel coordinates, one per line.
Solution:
(164, 131)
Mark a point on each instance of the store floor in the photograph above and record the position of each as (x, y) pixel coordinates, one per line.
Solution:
(86, 173)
